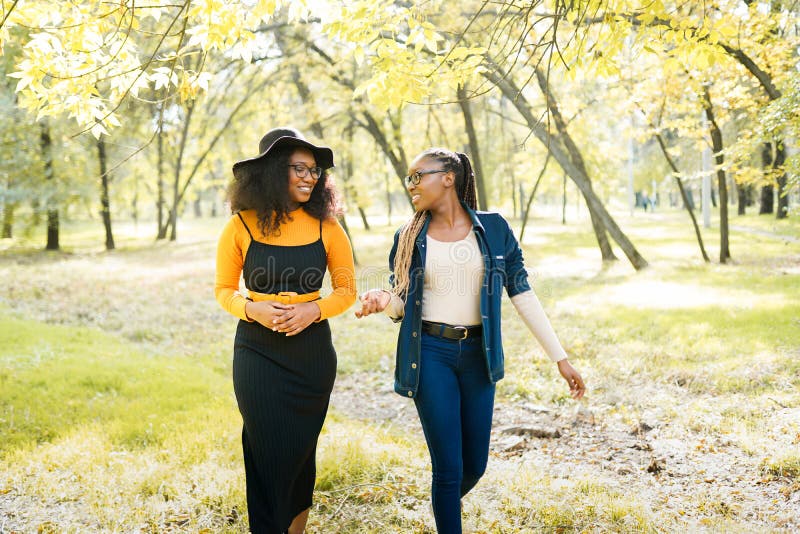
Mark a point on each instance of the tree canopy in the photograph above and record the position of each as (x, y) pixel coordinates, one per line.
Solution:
(166, 72)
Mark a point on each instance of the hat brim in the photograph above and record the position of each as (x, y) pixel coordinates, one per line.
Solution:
(322, 154)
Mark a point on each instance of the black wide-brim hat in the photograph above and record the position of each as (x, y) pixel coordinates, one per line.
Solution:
(286, 137)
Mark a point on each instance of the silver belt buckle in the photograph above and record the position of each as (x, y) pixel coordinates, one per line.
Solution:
(466, 332)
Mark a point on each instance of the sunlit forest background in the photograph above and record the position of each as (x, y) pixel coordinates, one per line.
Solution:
(645, 154)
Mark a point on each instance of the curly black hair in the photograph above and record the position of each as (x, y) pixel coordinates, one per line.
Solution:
(263, 185)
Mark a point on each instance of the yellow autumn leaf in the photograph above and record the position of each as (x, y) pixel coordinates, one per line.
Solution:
(727, 29)
(699, 58)
(358, 54)
(264, 10)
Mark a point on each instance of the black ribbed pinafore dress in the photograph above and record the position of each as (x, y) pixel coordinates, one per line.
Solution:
(282, 385)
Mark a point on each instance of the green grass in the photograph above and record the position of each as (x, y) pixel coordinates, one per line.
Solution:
(91, 420)
(784, 465)
(575, 507)
(56, 379)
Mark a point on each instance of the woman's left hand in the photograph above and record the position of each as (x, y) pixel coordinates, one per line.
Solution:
(297, 318)
(573, 378)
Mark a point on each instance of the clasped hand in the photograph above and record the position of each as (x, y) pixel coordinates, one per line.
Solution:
(290, 319)
(373, 301)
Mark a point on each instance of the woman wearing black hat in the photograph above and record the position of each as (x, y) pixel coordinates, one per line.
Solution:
(282, 237)
(449, 266)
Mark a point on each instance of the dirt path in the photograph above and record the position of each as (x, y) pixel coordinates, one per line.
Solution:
(689, 477)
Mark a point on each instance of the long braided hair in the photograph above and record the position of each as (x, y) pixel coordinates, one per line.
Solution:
(465, 189)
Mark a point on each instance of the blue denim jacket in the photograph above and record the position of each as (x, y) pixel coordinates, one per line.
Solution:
(503, 267)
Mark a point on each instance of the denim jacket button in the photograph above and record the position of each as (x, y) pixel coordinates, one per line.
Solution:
(410, 393)
(413, 365)
(414, 334)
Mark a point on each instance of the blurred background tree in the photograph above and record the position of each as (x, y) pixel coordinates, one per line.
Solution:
(128, 112)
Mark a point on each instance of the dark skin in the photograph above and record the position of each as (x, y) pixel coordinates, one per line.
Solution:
(436, 192)
(290, 319)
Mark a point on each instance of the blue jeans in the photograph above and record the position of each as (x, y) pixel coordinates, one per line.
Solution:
(455, 400)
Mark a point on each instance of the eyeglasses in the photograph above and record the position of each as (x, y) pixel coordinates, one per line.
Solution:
(417, 176)
(302, 171)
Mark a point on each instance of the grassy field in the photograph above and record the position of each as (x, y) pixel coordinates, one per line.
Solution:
(117, 411)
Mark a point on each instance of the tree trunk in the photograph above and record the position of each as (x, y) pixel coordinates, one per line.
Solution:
(783, 194)
(198, 207)
(767, 191)
(576, 158)
(370, 124)
(577, 175)
(477, 166)
(348, 172)
(509, 162)
(36, 212)
(52, 230)
(135, 202)
(8, 219)
(160, 201)
(527, 211)
(688, 203)
(316, 127)
(46, 144)
(105, 203)
(600, 234)
(176, 180)
(181, 194)
(766, 82)
(513, 190)
(363, 215)
(343, 222)
(764, 78)
(741, 193)
(302, 89)
(564, 200)
(397, 159)
(767, 200)
(388, 202)
(719, 157)
(348, 168)
(688, 199)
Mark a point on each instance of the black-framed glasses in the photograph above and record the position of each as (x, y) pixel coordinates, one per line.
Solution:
(302, 171)
(417, 176)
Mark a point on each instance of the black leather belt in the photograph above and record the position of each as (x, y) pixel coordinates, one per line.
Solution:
(451, 332)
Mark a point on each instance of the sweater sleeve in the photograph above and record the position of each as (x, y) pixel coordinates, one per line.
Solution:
(532, 313)
(396, 308)
(230, 260)
(342, 270)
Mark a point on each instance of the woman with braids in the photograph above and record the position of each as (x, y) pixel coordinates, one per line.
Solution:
(282, 237)
(449, 265)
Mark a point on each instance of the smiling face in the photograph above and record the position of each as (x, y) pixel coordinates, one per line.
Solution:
(432, 186)
(300, 187)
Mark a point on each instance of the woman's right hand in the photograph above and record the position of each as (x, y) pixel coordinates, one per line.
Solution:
(373, 301)
(266, 311)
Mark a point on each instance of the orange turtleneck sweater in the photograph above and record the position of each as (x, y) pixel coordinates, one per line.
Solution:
(301, 230)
